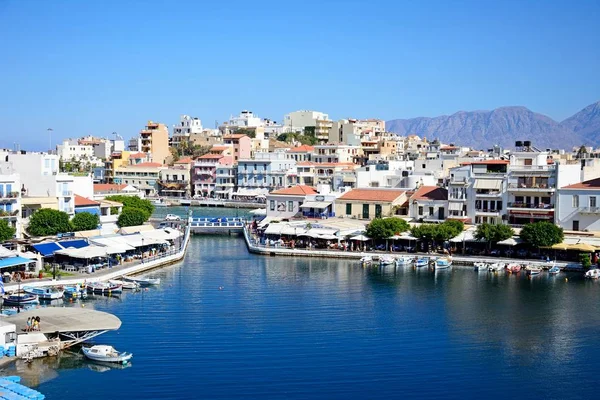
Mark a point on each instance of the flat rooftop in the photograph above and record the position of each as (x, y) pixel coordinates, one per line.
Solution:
(67, 319)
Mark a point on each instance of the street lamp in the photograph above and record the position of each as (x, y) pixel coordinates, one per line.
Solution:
(142, 250)
(18, 279)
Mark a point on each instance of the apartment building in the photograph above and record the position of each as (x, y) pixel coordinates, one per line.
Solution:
(10, 201)
(143, 176)
(175, 181)
(185, 129)
(153, 139)
(241, 144)
(205, 173)
(226, 182)
(116, 160)
(578, 206)
(336, 153)
(267, 172)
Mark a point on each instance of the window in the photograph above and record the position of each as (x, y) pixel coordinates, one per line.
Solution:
(348, 208)
(272, 205)
(499, 205)
(430, 210)
(575, 225)
(420, 210)
(365, 211)
(575, 201)
(290, 206)
(592, 201)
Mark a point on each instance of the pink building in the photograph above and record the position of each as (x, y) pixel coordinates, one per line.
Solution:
(242, 146)
(205, 172)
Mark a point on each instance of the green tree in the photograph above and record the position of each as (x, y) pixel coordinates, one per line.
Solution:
(46, 222)
(383, 228)
(493, 234)
(132, 217)
(438, 232)
(6, 231)
(85, 221)
(542, 234)
(584, 259)
(134, 202)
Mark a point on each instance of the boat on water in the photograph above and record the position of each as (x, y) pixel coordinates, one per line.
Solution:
(443, 263)
(554, 270)
(404, 260)
(386, 260)
(366, 260)
(421, 262)
(591, 274)
(44, 293)
(161, 203)
(103, 288)
(533, 270)
(75, 292)
(513, 268)
(480, 266)
(126, 284)
(495, 267)
(105, 353)
(142, 281)
(21, 299)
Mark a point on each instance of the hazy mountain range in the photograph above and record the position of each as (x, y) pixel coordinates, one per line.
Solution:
(505, 125)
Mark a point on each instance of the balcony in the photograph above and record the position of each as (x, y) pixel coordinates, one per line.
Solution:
(66, 193)
(227, 184)
(9, 214)
(490, 193)
(589, 210)
(462, 181)
(226, 176)
(10, 196)
(209, 181)
(532, 168)
(488, 212)
(531, 206)
(526, 187)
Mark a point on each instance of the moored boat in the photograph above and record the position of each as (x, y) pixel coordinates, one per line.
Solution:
(44, 293)
(75, 292)
(443, 263)
(514, 268)
(554, 270)
(591, 274)
(106, 354)
(533, 270)
(421, 262)
(103, 288)
(404, 260)
(480, 266)
(20, 299)
(366, 260)
(495, 267)
(142, 281)
(386, 260)
(161, 203)
(125, 284)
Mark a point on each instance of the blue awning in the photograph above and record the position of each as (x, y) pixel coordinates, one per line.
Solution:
(77, 243)
(47, 249)
(91, 210)
(12, 261)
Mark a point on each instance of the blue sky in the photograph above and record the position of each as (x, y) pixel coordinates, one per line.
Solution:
(94, 67)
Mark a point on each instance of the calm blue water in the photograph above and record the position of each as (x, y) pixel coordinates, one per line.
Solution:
(286, 328)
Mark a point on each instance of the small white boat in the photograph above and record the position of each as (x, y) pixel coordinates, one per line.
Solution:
(421, 262)
(366, 260)
(495, 267)
(161, 203)
(554, 270)
(480, 266)
(593, 274)
(143, 282)
(404, 260)
(443, 263)
(106, 354)
(104, 288)
(125, 284)
(386, 260)
(44, 293)
(533, 270)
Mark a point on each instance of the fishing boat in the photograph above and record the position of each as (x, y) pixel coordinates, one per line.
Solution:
(495, 267)
(161, 203)
(20, 299)
(513, 268)
(44, 293)
(554, 270)
(126, 284)
(142, 281)
(386, 260)
(591, 274)
(533, 270)
(75, 292)
(443, 263)
(421, 262)
(366, 260)
(404, 260)
(103, 288)
(106, 354)
(480, 266)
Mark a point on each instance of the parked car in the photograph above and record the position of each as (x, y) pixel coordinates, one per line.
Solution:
(172, 217)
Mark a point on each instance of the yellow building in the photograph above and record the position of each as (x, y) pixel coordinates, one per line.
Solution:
(155, 141)
(369, 203)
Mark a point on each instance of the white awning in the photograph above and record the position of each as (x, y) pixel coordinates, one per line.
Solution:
(316, 204)
(258, 211)
(162, 234)
(84, 252)
(453, 206)
(275, 229)
(4, 252)
(491, 184)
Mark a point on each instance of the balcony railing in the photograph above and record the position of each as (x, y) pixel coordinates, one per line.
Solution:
(309, 214)
(488, 194)
(589, 210)
(529, 186)
(487, 210)
(9, 195)
(67, 193)
(532, 167)
(539, 206)
(9, 214)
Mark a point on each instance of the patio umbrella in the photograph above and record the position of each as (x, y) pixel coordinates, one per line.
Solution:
(583, 247)
(510, 241)
(361, 238)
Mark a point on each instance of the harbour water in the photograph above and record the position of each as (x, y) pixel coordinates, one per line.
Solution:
(227, 324)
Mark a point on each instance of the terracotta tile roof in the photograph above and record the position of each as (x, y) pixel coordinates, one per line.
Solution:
(298, 190)
(305, 164)
(487, 162)
(302, 149)
(210, 156)
(430, 193)
(591, 184)
(81, 201)
(138, 155)
(108, 187)
(380, 195)
(448, 148)
(146, 164)
(184, 160)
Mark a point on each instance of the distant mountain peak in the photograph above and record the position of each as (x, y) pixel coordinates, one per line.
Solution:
(504, 125)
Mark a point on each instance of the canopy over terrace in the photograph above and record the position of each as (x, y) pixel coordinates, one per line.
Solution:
(84, 252)
(113, 246)
(162, 234)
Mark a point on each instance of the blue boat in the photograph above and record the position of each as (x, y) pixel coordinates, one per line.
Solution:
(44, 293)
(554, 270)
(421, 262)
(20, 299)
(75, 292)
(443, 263)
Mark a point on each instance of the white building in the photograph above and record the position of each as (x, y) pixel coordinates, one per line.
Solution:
(297, 121)
(246, 119)
(10, 201)
(186, 127)
(265, 173)
(578, 206)
(429, 204)
(287, 202)
(71, 150)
